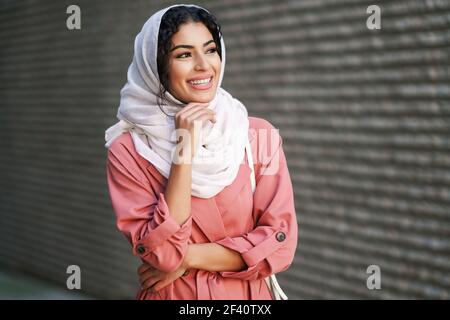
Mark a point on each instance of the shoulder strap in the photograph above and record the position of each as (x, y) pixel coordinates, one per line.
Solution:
(248, 148)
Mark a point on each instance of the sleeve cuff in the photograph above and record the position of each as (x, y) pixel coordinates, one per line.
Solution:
(253, 254)
(163, 227)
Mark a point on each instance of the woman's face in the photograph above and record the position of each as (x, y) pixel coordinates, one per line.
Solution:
(194, 64)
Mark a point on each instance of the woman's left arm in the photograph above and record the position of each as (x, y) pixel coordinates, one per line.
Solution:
(270, 247)
(213, 257)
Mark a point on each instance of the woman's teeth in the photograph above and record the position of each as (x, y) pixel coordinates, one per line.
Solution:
(203, 81)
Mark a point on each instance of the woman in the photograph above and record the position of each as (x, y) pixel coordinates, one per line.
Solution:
(181, 192)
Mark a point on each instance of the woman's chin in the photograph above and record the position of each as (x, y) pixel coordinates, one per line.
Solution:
(201, 98)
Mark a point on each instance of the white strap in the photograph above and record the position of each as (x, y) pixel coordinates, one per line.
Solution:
(248, 148)
(277, 289)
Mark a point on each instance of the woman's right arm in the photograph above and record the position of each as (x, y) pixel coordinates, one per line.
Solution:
(158, 229)
(178, 192)
(179, 185)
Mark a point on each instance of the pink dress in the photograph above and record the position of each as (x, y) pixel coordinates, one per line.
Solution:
(262, 227)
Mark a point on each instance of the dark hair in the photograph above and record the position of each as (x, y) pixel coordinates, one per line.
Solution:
(170, 24)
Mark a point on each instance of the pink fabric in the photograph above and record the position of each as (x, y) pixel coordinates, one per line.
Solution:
(233, 218)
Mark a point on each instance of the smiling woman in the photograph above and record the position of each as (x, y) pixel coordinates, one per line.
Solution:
(189, 54)
(193, 69)
(199, 229)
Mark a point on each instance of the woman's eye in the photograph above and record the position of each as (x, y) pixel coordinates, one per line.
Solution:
(183, 55)
(188, 54)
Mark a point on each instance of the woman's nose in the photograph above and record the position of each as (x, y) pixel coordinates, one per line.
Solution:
(201, 63)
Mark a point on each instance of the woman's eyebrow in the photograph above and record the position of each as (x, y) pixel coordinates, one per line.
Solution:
(190, 47)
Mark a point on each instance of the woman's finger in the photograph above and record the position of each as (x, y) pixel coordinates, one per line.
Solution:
(147, 274)
(193, 105)
(149, 279)
(162, 284)
(169, 279)
(187, 113)
(143, 267)
(201, 114)
(206, 116)
(149, 282)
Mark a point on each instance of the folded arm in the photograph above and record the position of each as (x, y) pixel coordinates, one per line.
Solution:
(270, 247)
(143, 215)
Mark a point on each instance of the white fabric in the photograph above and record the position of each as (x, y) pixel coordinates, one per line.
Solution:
(222, 146)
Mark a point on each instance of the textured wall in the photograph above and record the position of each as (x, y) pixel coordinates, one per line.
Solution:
(365, 118)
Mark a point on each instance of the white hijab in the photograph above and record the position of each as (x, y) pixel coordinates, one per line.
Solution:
(223, 143)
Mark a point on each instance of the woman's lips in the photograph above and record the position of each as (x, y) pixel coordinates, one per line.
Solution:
(203, 84)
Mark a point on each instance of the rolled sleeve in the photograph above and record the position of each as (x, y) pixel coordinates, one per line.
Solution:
(164, 245)
(270, 247)
(143, 215)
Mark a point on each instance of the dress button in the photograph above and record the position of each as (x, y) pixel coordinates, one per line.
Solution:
(141, 249)
(281, 236)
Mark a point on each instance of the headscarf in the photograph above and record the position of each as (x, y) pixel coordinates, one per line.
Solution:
(222, 146)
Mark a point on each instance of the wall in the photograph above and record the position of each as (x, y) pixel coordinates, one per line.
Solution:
(364, 116)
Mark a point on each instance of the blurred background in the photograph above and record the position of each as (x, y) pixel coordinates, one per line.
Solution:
(364, 115)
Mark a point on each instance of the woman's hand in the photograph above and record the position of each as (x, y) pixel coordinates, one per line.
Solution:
(185, 118)
(155, 280)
